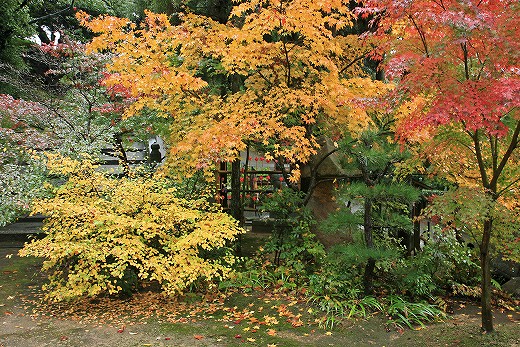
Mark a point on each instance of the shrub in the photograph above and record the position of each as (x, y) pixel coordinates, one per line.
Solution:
(292, 241)
(402, 313)
(108, 236)
(443, 263)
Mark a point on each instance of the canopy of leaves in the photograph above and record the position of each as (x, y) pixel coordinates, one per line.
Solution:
(464, 53)
(293, 64)
(457, 67)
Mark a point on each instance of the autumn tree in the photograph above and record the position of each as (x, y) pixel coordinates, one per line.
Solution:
(456, 63)
(294, 63)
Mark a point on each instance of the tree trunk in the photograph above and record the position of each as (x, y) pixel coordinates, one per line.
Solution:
(236, 208)
(487, 315)
(121, 154)
(369, 242)
(236, 203)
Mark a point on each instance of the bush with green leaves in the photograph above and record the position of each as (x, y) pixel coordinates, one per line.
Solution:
(443, 263)
(403, 313)
(292, 242)
(290, 254)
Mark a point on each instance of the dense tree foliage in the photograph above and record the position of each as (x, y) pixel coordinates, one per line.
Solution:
(297, 74)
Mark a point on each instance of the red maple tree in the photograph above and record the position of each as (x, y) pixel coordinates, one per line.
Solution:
(456, 64)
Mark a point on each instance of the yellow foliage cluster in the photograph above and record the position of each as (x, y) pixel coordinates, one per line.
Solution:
(107, 235)
(295, 65)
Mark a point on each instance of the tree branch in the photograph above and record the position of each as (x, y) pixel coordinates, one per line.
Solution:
(465, 54)
(480, 159)
(68, 8)
(421, 35)
(352, 62)
(508, 186)
(512, 146)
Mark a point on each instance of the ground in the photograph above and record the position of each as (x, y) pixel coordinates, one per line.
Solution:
(254, 319)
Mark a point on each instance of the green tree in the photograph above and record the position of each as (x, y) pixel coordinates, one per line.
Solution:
(14, 26)
(385, 197)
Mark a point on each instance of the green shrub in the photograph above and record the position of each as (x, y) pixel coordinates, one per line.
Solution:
(292, 242)
(443, 263)
(402, 313)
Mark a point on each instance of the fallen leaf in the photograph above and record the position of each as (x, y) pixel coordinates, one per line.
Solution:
(238, 336)
(328, 333)
(250, 339)
(271, 332)
(198, 337)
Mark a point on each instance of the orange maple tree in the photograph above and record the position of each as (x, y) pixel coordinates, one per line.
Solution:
(297, 65)
(456, 63)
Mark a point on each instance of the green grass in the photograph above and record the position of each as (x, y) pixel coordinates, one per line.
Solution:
(18, 276)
